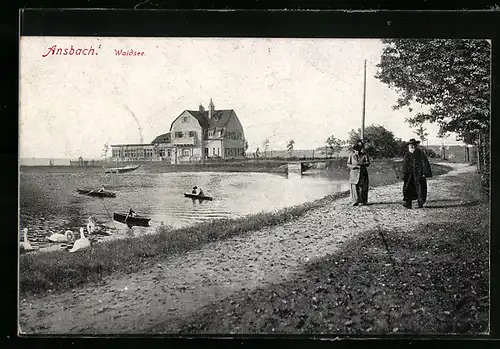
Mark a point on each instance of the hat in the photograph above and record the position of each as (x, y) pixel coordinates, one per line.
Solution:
(358, 146)
(195, 187)
(413, 141)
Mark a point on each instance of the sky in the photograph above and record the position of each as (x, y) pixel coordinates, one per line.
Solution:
(281, 89)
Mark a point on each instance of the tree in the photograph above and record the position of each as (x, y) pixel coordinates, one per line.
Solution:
(334, 144)
(246, 148)
(450, 76)
(289, 146)
(266, 146)
(421, 133)
(379, 141)
(105, 151)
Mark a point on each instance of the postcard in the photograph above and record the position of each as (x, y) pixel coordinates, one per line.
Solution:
(225, 185)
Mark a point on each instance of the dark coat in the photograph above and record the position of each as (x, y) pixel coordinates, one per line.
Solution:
(358, 165)
(416, 168)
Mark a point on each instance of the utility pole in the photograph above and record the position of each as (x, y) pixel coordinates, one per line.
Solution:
(364, 109)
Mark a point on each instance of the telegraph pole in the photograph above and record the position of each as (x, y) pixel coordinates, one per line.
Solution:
(364, 108)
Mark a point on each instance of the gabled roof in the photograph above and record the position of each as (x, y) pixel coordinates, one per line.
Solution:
(164, 138)
(220, 118)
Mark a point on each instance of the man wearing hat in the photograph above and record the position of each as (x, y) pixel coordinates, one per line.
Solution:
(358, 176)
(416, 168)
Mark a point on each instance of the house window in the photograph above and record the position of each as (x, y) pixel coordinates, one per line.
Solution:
(185, 119)
(213, 151)
(218, 151)
(169, 153)
(191, 134)
(178, 135)
(185, 152)
(206, 152)
(162, 152)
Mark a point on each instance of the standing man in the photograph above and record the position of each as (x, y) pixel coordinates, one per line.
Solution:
(358, 176)
(416, 170)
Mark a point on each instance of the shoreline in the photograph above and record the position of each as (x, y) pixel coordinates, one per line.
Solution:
(160, 297)
(429, 279)
(268, 165)
(42, 272)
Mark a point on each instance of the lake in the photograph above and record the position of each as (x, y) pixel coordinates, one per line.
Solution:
(49, 201)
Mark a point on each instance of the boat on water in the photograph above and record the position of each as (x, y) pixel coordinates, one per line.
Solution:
(123, 169)
(196, 196)
(96, 192)
(131, 220)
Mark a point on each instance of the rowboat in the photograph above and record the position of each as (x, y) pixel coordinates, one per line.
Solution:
(131, 221)
(196, 196)
(96, 192)
(121, 169)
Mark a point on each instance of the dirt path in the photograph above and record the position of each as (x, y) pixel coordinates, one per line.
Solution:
(137, 303)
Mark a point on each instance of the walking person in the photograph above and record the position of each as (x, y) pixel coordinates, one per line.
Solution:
(358, 176)
(416, 170)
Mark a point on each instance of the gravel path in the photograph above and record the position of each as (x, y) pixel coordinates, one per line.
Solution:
(139, 302)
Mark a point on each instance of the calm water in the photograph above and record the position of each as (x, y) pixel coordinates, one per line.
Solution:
(49, 201)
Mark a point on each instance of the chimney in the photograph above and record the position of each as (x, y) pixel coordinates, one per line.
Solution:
(211, 109)
(202, 109)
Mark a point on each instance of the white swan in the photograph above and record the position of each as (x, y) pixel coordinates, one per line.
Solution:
(25, 245)
(58, 237)
(81, 243)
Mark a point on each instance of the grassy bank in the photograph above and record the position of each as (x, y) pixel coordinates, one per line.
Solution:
(60, 270)
(433, 280)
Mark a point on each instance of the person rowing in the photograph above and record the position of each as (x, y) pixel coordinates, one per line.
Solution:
(197, 191)
(131, 213)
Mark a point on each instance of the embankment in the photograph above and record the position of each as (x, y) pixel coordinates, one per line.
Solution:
(416, 272)
(59, 270)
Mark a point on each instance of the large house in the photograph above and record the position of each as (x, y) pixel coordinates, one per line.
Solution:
(194, 135)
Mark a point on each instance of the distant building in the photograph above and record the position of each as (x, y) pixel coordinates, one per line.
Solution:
(86, 163)
(194, 135)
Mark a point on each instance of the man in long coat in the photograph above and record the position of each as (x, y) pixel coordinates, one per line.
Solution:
(358, 176)
(416, 170)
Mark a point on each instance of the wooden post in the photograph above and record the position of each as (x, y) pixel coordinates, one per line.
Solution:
(364, 109)
(479, 150)
(485, 158)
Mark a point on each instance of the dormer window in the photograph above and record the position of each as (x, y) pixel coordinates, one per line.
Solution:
(191, 134)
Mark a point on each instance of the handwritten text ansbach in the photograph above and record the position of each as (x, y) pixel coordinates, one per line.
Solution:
(70, 51)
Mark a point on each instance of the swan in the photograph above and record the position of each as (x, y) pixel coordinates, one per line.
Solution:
(81, 243)
(58, 237)
(25, 245)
